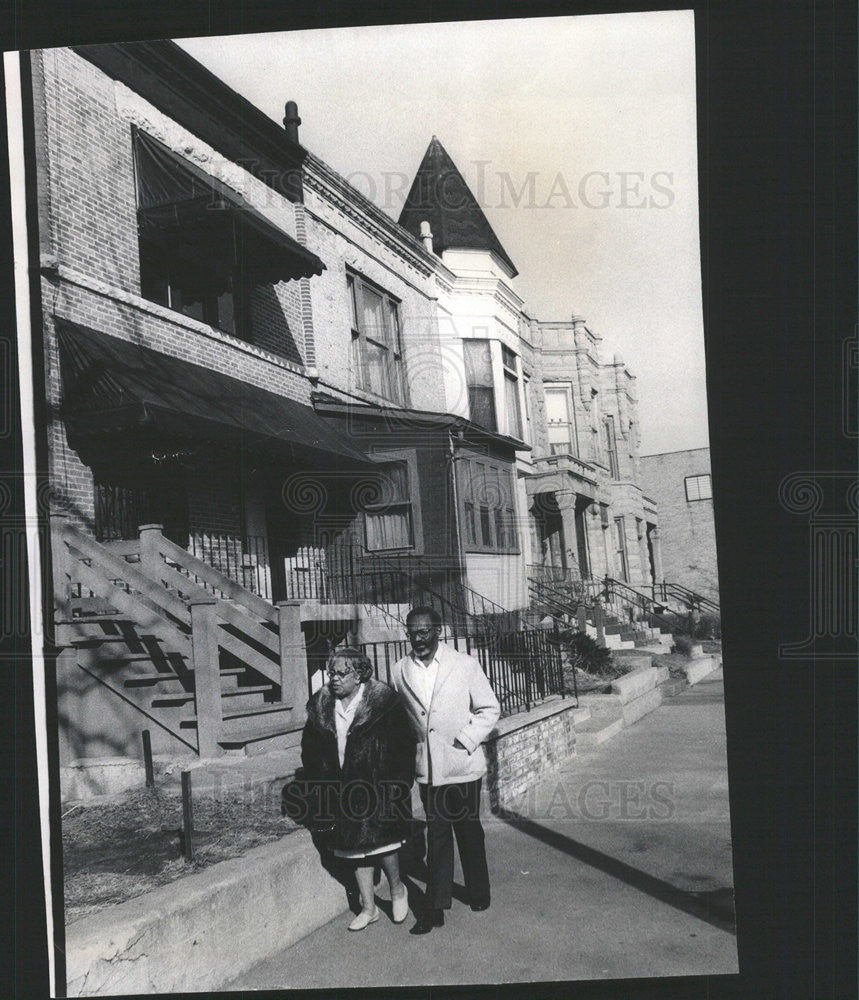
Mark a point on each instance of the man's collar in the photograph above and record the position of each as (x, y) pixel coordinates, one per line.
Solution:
(435, 658)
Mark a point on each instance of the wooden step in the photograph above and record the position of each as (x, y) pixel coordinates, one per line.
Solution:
(251, 713)
(286, 736)
(145, 680)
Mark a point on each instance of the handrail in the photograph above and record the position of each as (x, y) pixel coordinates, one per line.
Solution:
(613, 588)
(89, 548)
(689, 597)
(233, 591)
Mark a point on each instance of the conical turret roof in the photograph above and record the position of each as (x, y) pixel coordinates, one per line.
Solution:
(440, 196)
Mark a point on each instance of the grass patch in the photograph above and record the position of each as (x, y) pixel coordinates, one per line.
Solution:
(123, 847)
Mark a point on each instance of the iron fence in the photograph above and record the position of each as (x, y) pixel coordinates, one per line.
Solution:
(523, 667)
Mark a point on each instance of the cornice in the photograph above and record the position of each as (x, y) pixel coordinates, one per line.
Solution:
(336, 190)
(180, 87)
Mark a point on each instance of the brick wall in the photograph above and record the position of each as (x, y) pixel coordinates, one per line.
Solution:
(687, 534)
(526, 747)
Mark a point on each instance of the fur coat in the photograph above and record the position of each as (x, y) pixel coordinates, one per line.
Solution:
(369, 798)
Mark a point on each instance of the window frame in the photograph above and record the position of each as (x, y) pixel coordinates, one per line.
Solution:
(392, 350)
(560, 388)
(702, 476)
(613, 460)
(510, 371)
(479, 520)
(408, 459)
(483, 387)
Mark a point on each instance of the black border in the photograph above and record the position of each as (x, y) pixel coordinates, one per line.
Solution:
(777, 152)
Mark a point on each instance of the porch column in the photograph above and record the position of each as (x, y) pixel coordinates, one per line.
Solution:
(60, 564)
(566, 500)
(657, 554)
(294, 690)
(150, 558)
(207, 676)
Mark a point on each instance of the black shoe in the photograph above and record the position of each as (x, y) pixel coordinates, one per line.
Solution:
(480, 904)
(427, 920)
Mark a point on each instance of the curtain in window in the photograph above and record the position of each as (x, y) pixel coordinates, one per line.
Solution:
(390, 525)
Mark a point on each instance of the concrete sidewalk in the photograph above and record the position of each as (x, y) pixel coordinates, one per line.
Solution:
(618, 866)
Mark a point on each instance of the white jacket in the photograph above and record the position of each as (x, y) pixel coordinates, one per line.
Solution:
(463, 707)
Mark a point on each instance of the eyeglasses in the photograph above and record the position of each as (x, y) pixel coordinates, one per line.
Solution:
(348, 672)
(421, 633)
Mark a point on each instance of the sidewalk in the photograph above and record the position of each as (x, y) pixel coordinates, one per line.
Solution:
(619, 866)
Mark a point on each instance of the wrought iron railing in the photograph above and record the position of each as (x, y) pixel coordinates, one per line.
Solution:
(524, 667)
(692, 601)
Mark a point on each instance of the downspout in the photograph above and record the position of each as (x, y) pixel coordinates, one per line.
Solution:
(460, 549)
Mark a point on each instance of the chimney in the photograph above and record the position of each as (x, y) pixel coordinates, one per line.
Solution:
(291, 121)
(426, 236)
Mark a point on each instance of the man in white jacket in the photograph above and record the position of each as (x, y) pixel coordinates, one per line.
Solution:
(453, 709)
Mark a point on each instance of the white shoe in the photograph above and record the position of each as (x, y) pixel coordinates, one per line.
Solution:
(364, 917)
(400, 906)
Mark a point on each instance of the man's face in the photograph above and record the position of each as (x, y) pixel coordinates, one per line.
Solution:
(423, 635)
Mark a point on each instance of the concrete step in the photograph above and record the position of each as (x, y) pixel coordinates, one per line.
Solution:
(673, 686)
(598, 730)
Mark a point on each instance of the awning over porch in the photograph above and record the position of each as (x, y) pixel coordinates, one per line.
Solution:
(112, 385)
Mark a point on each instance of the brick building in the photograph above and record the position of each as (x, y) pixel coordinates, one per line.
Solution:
(681, 484)
(276, 417)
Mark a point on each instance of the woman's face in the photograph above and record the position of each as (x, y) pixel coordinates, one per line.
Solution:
(342, 679)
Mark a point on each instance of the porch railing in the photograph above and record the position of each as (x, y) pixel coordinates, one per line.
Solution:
(344, 572)
(523, 667)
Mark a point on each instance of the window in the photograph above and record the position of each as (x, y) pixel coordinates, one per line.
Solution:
(488, 507)
(611, 446)
(377, 359)
(478, 379)
(560, 426)
(388, 522)
(203, 248)
(526, 391)
(212, 294)
(511, 393)
(622, 556)
(699, 487)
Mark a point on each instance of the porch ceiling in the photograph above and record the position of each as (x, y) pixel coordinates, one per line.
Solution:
(112, 385)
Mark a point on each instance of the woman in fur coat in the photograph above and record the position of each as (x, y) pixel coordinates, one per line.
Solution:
(358, 748)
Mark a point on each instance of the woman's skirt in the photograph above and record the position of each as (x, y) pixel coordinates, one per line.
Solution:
(369, 852)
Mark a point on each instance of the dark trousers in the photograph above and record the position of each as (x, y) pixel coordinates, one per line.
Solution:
(454, 810)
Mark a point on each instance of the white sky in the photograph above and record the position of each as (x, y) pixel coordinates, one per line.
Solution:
(561, 98)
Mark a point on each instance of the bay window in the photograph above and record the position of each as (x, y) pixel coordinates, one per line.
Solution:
(487, 506)
(388, 522)
(478, 379)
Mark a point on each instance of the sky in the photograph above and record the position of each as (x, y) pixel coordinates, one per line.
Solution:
(576, 134)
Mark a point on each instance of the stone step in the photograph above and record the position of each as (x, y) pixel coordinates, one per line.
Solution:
(229, 678)
(673, 686)
(598, 730)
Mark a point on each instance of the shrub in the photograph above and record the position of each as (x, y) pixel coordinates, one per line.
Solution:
(682, 644)
(708, 626)
(584, 654)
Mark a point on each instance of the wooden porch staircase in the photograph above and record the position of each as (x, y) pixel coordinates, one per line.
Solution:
(195, 653)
